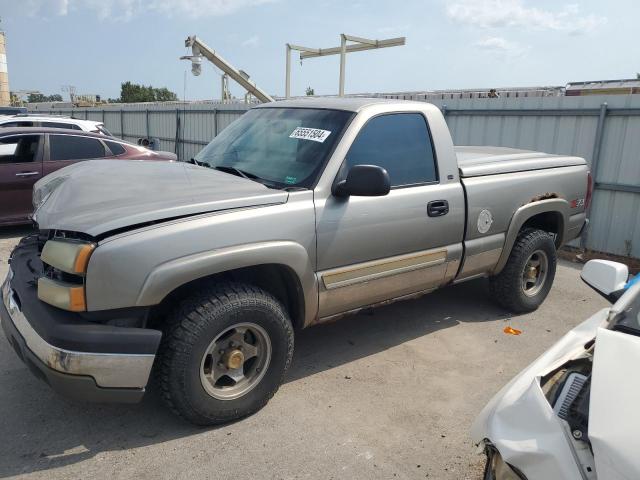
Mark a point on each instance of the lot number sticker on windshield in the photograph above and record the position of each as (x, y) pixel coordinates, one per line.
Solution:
(314, 134)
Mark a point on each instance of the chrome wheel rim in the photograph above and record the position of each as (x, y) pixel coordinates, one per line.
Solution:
(235, 361)
(535, 272)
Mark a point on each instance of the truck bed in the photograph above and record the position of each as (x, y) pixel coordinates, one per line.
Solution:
(498, 181)
(479, 161)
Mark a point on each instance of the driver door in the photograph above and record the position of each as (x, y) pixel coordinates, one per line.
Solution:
(372, 249)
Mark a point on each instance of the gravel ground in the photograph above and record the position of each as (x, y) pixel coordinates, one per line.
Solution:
(387, 395)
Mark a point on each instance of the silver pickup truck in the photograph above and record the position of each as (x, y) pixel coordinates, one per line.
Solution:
(297, 213)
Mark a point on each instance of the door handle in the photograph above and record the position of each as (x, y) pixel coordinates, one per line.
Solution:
(27, 174)
(437, 208)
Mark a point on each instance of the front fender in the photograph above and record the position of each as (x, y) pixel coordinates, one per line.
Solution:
(139, 268)
(168, 276)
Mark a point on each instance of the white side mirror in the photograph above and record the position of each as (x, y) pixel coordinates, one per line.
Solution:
(605, 276)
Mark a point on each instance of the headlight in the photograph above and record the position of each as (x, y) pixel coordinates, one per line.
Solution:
(68, 255)
(65, 256)
(67, 296)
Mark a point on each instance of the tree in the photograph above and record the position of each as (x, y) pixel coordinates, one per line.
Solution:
(16, 101)
(132, 92)
(39, 97)
(164, 95)
(310, 92)
(35, 98)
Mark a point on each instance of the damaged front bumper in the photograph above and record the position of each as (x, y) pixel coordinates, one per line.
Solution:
(80, 359)
(497, 469)
(519, 424)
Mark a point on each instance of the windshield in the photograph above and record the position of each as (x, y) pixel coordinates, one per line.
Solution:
(104, 131)
(628, 320)
(286, 147)
(100, 129)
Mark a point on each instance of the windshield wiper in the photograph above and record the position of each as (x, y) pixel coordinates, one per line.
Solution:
(236, 171)
(243, 174)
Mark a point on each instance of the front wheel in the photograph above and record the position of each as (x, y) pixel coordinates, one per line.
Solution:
(526, 279)
(224, 354)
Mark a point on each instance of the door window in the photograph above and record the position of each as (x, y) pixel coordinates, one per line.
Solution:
(19, 148)
(401, 144)
(71, 147)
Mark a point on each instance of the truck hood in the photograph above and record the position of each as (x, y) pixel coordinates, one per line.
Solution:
(100, 196)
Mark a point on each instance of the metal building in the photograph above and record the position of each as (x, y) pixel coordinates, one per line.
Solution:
(604, 87)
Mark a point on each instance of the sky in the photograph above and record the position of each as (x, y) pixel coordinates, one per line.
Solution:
(96, 45)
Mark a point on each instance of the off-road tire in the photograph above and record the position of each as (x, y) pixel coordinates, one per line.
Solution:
(506, 287)
(192, 326)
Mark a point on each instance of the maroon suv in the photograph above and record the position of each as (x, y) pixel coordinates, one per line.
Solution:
(28, 154)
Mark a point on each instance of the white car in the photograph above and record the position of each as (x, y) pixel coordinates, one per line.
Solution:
(573, 413)
(53, 121)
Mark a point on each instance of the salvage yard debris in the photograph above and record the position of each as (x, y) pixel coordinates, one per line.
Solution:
(512, 331)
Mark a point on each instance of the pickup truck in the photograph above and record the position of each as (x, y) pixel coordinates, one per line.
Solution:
(296, 214)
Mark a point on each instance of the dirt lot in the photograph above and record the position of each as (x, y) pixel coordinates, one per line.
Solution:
(388, 395)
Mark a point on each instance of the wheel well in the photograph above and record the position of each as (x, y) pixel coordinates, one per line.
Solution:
(276, 279)
(551, 222)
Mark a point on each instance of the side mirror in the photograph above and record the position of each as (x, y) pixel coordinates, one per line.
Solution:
(364, 181)
(606, 277)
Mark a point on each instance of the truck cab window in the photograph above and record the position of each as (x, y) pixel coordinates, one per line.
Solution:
(19, 148)
(401, 144)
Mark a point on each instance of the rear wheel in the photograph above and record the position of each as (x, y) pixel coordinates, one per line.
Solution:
(528, 275)
(224, 354)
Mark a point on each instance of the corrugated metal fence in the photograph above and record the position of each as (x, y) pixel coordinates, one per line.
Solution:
(605, 130)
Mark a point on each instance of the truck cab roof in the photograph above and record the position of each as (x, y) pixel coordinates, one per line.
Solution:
(349, 104)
